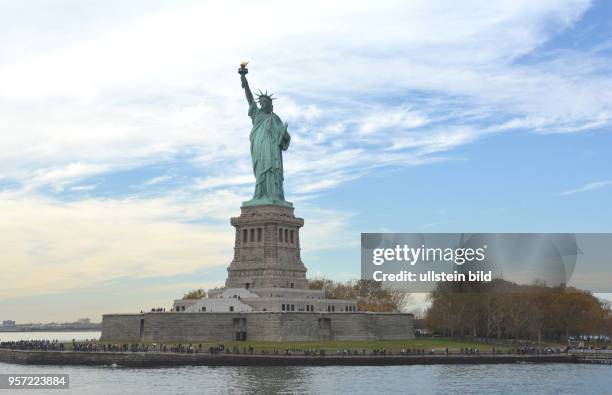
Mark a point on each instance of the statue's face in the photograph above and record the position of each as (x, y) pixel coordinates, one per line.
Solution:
(266, 105)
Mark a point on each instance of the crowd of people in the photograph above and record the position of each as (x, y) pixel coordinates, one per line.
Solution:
(533, 350)
(155, 310)
(40, 345)
(190, 348)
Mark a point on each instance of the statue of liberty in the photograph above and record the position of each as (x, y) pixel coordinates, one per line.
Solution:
(269, 137)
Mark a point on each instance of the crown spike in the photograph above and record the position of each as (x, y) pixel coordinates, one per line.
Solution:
(264, 95)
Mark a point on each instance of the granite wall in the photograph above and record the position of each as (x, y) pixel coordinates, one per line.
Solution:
(259, 326)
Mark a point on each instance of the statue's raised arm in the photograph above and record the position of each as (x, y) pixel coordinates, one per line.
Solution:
(245, 84)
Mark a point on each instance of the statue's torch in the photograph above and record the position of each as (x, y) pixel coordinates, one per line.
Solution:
(243, 71)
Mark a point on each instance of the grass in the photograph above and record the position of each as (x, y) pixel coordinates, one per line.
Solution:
(333, 345)
(422, 343)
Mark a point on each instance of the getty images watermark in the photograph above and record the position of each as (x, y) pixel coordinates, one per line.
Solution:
(411, 256)
(420, 261)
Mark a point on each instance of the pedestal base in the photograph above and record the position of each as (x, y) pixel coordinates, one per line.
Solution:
(266, 202)
(267, 248)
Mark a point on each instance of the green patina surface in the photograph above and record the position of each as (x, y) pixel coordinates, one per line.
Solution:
(269, 137)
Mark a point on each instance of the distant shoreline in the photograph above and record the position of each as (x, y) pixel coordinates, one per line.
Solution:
(160, 359)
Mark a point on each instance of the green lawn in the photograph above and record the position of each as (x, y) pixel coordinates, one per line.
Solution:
(396, 345)
(422, 343)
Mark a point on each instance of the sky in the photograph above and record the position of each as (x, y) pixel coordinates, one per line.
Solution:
(124, 143)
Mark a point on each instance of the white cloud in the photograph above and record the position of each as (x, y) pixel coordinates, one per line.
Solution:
(587, 187)
(433, 141)
(59, 178)
(155, 84)
(325, 181)
(157, 180)
(50, 246)
(215, 182)
(326, 229)
(399, 119)
(80, 188)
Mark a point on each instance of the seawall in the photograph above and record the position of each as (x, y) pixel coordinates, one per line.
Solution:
(157, 359)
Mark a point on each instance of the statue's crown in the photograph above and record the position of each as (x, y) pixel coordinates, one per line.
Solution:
(262, 95)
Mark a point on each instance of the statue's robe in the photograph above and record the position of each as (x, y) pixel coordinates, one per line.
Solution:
(268, 138)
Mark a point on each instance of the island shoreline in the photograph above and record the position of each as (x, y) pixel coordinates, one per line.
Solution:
(161, 359)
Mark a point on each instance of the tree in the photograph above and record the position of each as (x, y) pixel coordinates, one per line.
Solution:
(446, 310)
(370, 294)
(504, 309)
(195, 294)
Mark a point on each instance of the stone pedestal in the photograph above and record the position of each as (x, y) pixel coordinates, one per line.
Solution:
(267, 249)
